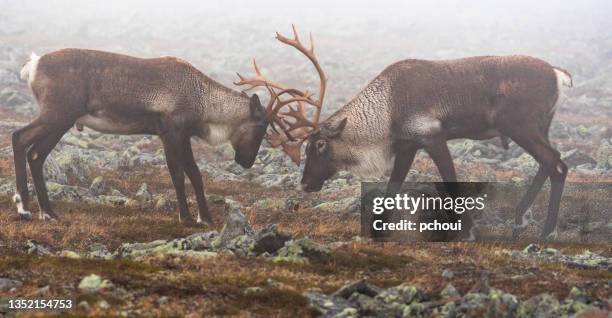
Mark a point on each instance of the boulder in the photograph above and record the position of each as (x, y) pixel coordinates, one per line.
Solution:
(235, 225)
(98, 186)
(143, 194)
(8, 284)
(94, 283)
(269, 240)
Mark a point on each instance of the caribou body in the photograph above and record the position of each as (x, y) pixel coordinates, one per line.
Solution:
(420, 104)
(119, 94)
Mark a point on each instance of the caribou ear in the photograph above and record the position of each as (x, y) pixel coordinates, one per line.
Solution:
(335, 131)
(255, 107)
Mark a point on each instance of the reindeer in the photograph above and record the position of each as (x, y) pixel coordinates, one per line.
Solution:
(420, 104)
(119, 94)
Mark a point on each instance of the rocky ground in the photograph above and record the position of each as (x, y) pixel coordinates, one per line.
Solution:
(272, 250)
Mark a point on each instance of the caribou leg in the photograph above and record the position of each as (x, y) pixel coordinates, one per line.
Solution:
(174, 150)
(36, 159)
(404, 157)
(193, 172)
(22, 139)
(527, 200)
(537, 145)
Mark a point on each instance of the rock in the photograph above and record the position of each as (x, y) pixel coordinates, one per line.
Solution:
(404, 294)
(586, 260)
(37, 248)
(347, 204)
(103, 304)
(540, 306)
(329, 306)
(449, 292)
(53, 171)
(16, 101)
(551, 251)
(8, 284)
(131, 203)
(163, 204)
(269, 240)
(531, 248)
(448, 274)
(143, 194)
(83, 305)
(576, 157)
(603, 156)
(177, 247)
(94, 283)
(97, 250)
(302, 251)
(112, 200)
(67, 193)
(73, 162)
(69, 254)
(235, 225)
(98, 186)
(360, 286)
(252, 290)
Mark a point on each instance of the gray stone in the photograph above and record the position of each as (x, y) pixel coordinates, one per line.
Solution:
(603, 156)
(302, 251)
(98, 186)
(360, 286)
(531, 248)
(93, 283)
(8, 284)
(37, 248)
(448, 274)
(235, 225)
(143, 194)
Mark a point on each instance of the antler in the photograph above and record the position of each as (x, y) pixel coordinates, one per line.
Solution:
(295, 131)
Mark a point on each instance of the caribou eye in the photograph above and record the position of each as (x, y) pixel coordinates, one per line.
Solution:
(321, 145)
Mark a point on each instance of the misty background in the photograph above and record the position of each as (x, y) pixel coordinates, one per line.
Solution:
(354, 41)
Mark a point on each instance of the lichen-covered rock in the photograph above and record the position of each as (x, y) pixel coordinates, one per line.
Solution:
(360, 299)
(235, 226)
(98, 186)
(93, 283)
(69, 254)
(330, 306)
(37, 248)
(586, 260)
(97, 250)
(143, 194)
(8, 284)
(603, 156)
(302, 251)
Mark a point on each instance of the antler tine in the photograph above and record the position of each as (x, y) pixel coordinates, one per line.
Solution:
(295, 131)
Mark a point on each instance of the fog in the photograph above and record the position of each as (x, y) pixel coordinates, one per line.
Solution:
(354, 40)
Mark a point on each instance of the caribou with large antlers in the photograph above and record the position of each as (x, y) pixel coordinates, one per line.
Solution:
(119, 94)
(421, 104)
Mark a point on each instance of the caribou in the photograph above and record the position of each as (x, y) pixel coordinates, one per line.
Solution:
(421, 104)
(120, 94)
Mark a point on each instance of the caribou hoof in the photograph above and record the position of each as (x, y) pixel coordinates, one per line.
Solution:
(48, 216)
(25, 215)
(206, 221)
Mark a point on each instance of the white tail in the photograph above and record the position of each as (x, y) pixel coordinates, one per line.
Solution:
(563, 78)
(28, 71)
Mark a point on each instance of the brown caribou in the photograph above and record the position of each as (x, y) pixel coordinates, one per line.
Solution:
(421, 104)
(120, 94)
